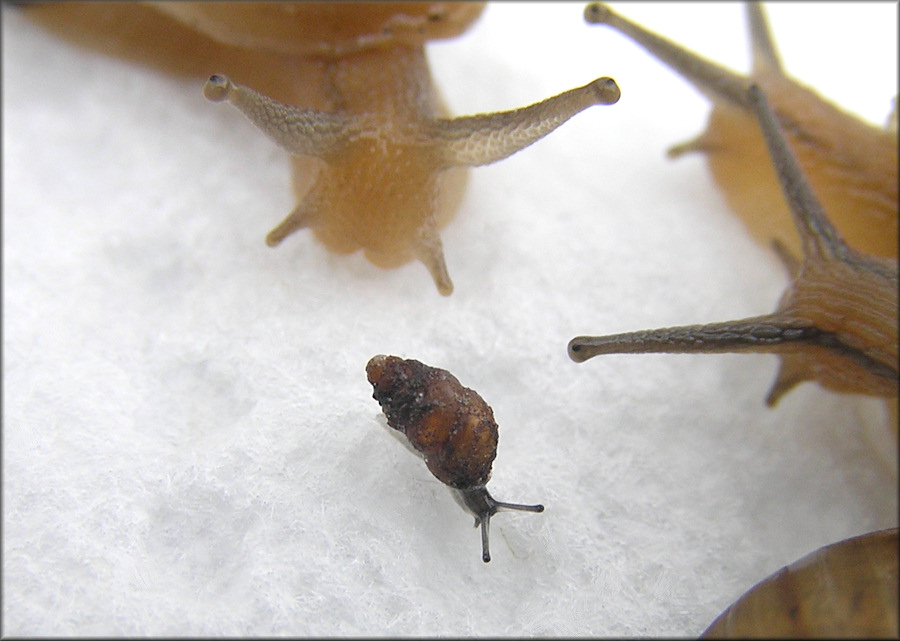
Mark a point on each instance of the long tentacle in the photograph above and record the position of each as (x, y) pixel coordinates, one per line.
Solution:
(486, 138)
(299, 131)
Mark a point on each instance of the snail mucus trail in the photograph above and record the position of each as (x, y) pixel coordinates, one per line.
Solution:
(835, 324)
(451, 426)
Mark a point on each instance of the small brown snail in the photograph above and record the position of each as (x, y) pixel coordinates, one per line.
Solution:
(847, 589)
(376, 163)
(450, 425)
(835, 324)
(852, 165)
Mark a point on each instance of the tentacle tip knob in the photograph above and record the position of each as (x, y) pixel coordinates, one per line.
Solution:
(216, 88)
(596, 13)
(606, 90)
(576, 350)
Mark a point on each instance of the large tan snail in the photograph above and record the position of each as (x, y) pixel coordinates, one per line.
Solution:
(451, 426)
(851, 164)
(346, 89)
(836, 323)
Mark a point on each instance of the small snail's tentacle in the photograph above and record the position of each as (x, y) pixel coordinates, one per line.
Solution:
(715, 81)
(486, 138)
(299, 131)
(763, 49)
(518, 507)
(483, 506)
(485, 538)
(817, 234)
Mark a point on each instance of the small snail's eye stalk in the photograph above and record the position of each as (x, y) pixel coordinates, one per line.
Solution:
(480, 503)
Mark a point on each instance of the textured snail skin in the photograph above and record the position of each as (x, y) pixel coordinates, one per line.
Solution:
(852, 165)
(377, 165)
(450, 425)
(835, 324)
(847, 589)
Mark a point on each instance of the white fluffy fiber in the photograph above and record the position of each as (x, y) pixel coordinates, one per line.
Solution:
(190, 445)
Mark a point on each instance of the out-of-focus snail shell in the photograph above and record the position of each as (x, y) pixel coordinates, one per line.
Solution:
(847, 589)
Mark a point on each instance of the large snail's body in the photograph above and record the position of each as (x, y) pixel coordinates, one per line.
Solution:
(377, 165)
(837, 322)
(835, 181)
(451, 426)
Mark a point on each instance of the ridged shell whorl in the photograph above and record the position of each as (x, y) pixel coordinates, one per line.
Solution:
(451, 425)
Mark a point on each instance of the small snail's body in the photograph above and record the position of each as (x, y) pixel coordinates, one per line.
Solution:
(851, 165)
(836, 323)
(847, 589)
(376, 164)
(450, 425)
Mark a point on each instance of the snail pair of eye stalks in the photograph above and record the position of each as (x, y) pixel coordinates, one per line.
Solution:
(836, 323)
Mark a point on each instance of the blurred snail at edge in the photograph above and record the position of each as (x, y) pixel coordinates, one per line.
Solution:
(366, 94)
(837, 321)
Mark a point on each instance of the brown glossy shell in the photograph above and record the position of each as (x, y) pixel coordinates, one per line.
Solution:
(449, 424)
(848, 589)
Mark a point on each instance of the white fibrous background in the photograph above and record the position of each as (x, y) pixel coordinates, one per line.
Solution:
(190, 446)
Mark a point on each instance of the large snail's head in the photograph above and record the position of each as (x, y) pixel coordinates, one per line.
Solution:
(480, 503)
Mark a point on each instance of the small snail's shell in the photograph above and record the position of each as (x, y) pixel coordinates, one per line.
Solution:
(847, 589)
(851, 164)
(451, 425)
